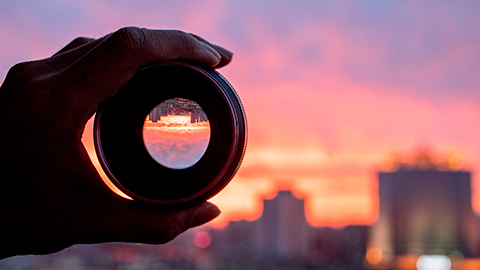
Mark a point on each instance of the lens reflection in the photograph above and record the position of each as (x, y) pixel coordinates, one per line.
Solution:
(176, 133)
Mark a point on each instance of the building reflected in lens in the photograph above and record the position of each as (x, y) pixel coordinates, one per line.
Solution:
(176, 133)
(178, 106)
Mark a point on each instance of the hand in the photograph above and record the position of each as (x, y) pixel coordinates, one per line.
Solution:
(51, 195)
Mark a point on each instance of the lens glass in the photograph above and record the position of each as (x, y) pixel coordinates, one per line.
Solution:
(176, 133)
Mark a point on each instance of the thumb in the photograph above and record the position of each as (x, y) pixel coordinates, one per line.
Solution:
(200, 215)
(146, 224)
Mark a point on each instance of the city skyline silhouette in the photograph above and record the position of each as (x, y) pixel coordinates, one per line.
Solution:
(334, 92)
(330, 89)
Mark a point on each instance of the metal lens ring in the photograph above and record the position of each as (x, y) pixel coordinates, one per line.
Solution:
(120, 145)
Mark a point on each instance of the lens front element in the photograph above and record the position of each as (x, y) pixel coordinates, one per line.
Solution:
(176, 133)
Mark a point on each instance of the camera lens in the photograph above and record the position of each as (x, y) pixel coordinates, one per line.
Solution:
(175, 135)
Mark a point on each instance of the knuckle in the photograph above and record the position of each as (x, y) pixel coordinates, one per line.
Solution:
(21, 73)
(129, 39)
(27, 84)
(20, 70)
(79, 41)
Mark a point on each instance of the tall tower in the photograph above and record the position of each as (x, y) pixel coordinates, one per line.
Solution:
(423, 211)
(283, 229)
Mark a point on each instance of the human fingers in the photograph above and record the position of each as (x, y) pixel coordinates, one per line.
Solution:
(79, 41)
(226, 54)
(132, 222)
(70, 54)
(66, 56)
(62, 59)
(113, 62)
(106, 217)
(160, 228)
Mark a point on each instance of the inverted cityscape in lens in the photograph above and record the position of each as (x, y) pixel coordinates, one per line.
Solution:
(176, 133)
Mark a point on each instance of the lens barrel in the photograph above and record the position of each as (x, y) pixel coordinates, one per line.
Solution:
(121, 149)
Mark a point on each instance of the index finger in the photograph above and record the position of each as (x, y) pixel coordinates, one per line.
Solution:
(100, 73)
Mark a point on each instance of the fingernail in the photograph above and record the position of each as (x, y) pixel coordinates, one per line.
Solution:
(215, 54)
(225, 51)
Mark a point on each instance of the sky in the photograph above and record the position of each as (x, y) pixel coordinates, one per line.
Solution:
(334, 91)
(175, 142)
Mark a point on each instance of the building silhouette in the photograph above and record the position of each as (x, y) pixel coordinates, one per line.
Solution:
(281, 232)
(198, 115)
(283, 229)
(156, 114)
(178, 106)
(424, 211)
(282, 239)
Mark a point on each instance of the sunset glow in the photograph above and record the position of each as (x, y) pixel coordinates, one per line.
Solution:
(177, 124)
(175, 142)
(333, 92)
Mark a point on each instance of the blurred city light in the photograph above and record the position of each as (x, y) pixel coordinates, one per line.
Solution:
(433, 262)
(202, 239)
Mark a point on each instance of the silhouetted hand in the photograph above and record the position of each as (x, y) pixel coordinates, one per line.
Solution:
(51, 195)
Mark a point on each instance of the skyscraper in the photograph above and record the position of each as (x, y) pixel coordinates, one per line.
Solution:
(283, 228)
(423, 211)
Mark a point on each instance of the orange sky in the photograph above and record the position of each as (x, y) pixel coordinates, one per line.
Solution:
(175, 142)
(332, 91)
